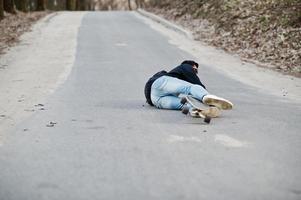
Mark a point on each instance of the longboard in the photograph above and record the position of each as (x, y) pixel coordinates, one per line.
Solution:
(200, 110)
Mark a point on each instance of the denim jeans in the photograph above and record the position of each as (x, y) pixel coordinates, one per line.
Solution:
(166, 90)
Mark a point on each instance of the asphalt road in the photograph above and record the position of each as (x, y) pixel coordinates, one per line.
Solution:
(95, 138)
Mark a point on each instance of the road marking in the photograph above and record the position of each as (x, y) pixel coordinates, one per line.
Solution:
(177, 138)
(121, 44)
(229, 141)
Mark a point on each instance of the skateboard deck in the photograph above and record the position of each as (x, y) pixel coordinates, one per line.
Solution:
(200, 110)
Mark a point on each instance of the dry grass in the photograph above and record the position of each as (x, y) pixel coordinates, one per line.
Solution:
(12, 26)
(268, 31)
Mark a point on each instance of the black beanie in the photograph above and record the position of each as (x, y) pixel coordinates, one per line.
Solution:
(190, 62)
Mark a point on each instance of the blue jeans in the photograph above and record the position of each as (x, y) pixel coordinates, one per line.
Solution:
(166, 90)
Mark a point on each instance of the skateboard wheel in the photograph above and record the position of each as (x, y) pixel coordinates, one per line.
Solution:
(183, 100)
(207, 119)
(185, 110)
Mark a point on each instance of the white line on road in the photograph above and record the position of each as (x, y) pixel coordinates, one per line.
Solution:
(229, 141)
(177, 138)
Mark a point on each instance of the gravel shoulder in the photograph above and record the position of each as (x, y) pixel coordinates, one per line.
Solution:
(14, 25)
(33, 69)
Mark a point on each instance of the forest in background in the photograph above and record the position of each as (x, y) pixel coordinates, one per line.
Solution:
(12, 6)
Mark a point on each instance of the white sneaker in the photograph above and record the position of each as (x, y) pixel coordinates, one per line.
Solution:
(212, 100)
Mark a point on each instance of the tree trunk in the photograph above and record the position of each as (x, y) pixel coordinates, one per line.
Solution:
(32, 5)
(138, 4)
(41, 5)
(81, 5)
(51, 4)
(90, 5)
(71, 4)
(9, 6)
(22, 5)
(129, 2)
(1, 10)
(60, 4)
(93, 6)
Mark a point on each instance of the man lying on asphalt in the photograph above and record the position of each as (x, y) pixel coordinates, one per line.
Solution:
(164, 89)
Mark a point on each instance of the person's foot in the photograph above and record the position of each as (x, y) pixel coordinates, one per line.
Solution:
(210, 112)
(212, 100)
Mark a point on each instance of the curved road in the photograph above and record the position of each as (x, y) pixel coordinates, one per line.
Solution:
(95, 138)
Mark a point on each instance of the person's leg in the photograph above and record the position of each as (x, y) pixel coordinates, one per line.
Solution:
(166, 86)
(169, 86)
(169, 102)
(165, 91)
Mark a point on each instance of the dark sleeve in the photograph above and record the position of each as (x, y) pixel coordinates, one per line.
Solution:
(190, 76)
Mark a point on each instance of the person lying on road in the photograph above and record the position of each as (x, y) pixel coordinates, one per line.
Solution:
(164, 89)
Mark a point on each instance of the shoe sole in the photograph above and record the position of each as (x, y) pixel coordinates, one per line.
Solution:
(220, 103)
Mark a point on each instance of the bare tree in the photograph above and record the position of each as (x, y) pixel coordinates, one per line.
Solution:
(139, 3)
(32, 5)
(59, 4)
(71, 4)
(22, 5)
(9, 6)
(1, 10)
(41, 5)
(52, 4)
(129, 2)
(91, 5)
(85, 4)
(81, 4)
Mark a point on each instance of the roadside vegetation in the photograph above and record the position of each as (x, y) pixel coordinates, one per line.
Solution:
(17, 16)
(266, 32)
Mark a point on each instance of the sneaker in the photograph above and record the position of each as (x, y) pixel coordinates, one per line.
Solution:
(219, 102)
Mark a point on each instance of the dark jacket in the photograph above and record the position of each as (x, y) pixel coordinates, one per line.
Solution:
(184, 72)
(148, 86)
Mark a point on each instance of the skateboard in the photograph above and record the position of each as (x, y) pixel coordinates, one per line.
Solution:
(199, 110)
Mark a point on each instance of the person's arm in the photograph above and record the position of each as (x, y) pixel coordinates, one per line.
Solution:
(191, 76)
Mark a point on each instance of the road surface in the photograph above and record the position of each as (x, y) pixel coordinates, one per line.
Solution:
(95, 138)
